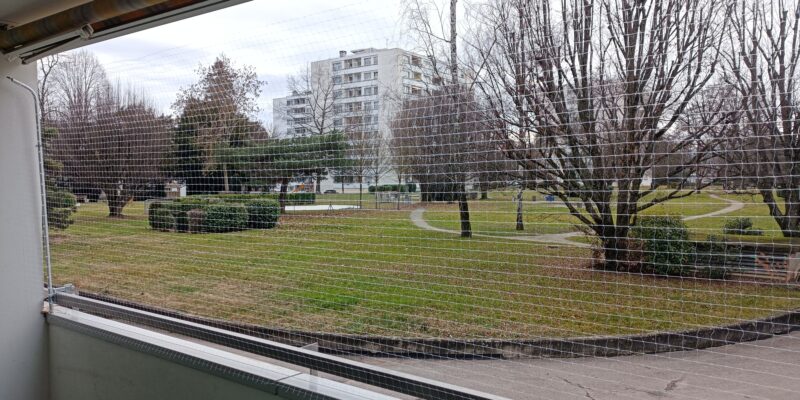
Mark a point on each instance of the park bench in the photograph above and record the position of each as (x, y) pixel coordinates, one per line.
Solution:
(760, 261)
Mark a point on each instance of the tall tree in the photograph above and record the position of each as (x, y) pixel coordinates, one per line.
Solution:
(761, 63)
(286, 159)
(120, 151)
(588, 92)
(109, 138)
(433, 40)
(212, 114)
(438, 152)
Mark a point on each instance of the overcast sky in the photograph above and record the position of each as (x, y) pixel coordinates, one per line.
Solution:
(278, 38)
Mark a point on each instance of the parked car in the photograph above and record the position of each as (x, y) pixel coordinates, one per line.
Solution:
(331, 191)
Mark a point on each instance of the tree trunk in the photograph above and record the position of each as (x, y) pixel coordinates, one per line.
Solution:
(520, 225)
(282, 195)
(318, 184)
(360, 191)
(377, 206)
(463, 213)
(225, 178)
(484, 184)
(399, 183)
(615, 252)
(116, 202)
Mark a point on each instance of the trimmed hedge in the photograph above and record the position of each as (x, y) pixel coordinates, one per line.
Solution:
(740, 226)
(263, 213)
(161, 219)
(408, 187)
(226, 217)
(197, 220)
(666, 247)
(291, 198)
(197, 215)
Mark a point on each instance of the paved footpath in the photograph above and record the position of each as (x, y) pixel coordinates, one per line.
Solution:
(764, 369)
(561, 239)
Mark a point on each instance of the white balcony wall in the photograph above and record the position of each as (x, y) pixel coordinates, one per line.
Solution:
(23, 334)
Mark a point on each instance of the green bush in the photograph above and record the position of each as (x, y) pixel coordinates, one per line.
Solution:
(151, 212)
(197, 220)
(263, 213)
(60, 206)
(161, 219)
(226, 217)
(62, 199)
(291, 198)
(179, 211)
(740, 226)
(60, 218)
(408, 187)
(665, 245)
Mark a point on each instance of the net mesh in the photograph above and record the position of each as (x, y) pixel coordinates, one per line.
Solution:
(532, 199)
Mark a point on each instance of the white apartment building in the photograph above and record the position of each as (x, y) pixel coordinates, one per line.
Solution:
(357, 91)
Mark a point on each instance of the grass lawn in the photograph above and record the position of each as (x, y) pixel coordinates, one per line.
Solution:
(373, 272)
(497, 215)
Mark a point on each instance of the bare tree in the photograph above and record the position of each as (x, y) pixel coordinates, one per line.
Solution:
(762, 65)
(434, 139)
(312, 108)
(120, 151)
(587, 93)
(46, 67)
(433, 40)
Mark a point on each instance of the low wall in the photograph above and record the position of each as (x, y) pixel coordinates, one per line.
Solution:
(597, 346)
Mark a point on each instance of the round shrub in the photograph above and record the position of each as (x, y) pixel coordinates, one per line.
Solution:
(263, 214)
(161, 219)
(665, 244)
(740, 226)
(197, 220)
(226, 217)
(60, 218)
(61, 199)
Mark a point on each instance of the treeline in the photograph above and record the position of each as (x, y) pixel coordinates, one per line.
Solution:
(110, 138)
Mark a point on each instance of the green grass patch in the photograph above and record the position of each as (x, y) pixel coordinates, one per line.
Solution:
(374, 272)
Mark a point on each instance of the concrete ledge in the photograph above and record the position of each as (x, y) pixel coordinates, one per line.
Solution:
(597, 346)
(237, 371)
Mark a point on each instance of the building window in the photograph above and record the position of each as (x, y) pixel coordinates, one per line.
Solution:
(336, 66)
(337, 79)
(370, 91)
(337, 122)
(352, 63)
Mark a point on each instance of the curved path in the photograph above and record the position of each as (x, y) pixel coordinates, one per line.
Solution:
(563, 239)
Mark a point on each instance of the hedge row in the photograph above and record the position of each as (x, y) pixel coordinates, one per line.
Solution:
(291, 198)
(408, 187)
(198, 215)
